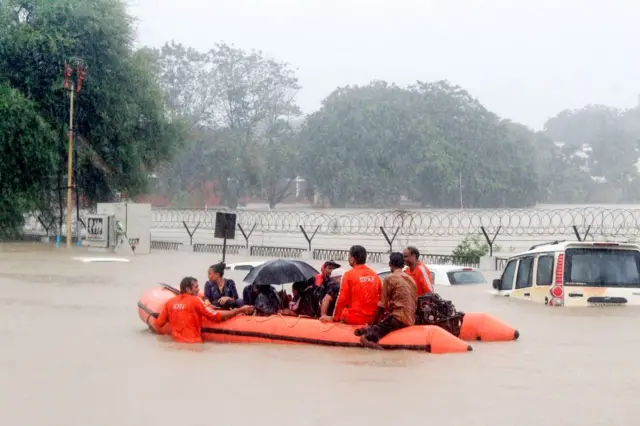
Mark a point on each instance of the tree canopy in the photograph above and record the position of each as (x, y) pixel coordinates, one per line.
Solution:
(229, 117)
(122, 129)
(239, 105)
(603, 144)
(371, 145)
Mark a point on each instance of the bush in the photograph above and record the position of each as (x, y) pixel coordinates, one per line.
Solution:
(471, 249)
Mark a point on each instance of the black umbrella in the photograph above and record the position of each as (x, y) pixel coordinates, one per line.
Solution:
(280, 272)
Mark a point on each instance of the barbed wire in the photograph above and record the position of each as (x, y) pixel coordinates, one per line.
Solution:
(606, 222)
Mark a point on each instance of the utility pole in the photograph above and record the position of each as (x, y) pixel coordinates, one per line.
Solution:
(81, 72)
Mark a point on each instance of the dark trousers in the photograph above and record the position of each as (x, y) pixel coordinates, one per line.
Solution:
(384, 327)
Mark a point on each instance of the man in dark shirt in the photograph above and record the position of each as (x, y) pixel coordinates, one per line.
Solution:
(398, 303)
(330, 289)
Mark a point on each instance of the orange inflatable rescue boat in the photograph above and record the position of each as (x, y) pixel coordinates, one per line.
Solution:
(295, 330)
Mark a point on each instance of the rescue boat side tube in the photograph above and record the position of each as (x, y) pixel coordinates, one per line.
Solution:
(294, 330)
(484, 327)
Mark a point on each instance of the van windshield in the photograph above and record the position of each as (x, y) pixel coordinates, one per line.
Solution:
(602, 267)
(466, 277)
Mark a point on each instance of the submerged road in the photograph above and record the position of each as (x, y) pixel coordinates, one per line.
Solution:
(74, 353)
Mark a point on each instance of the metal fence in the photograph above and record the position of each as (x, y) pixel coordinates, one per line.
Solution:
(295, 252)
(328, 234)
(610, 222)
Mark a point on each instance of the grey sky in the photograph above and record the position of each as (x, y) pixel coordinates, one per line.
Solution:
(524, 60)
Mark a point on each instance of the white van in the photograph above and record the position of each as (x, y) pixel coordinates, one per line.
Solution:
(574, 274)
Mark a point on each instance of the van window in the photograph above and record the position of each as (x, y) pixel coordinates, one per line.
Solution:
(523, 280)
(544, 271)
(602, 267)
(507, 275)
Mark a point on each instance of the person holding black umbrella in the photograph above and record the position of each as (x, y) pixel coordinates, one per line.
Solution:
(263, 297)
(259, 290)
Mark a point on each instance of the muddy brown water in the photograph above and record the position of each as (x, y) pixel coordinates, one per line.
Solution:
(73, 352)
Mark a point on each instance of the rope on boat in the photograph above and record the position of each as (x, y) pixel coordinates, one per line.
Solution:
(255, 318)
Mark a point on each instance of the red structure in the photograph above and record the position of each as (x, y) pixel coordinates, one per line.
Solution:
(198, 197)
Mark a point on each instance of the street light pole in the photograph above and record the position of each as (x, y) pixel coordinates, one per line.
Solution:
(81, 72)
(70, 168)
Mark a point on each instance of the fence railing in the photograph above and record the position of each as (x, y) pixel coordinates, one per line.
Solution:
(278, 231)
(512, 222)
(296, 252)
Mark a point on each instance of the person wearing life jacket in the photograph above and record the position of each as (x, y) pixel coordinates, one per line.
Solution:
(325, 272)
(359, 291)
(185, 311)
(417, 270)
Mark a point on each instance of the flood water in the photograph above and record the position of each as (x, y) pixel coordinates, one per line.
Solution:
(73, 352)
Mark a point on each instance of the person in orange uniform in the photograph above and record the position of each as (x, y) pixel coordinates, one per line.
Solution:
(184, 313)
(417, 270)
(359, 291)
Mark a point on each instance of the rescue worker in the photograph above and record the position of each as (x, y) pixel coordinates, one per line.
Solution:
(397, 306)
(418, 270)
(184, 313)
(220, 292)
(359, 291)
(325, 272)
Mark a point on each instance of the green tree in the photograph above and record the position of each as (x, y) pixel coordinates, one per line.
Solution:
(602, 142)
(356, 146)
(486, 156)
(122, 130)
(425, 142)
(239, 103)
(29, 151)
(562, 178)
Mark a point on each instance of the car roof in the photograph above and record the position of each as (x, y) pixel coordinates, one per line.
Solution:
(449, 268)
(234, 265)
(438, 268)
(559, 246)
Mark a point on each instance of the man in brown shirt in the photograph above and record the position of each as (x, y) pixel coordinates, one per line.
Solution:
(398, 302)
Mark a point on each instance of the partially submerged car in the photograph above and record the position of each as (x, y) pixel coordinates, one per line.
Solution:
(444, 275)
(243, 266)
(564, 273)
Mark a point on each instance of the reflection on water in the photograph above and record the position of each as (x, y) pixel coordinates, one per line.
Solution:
(75, 353)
